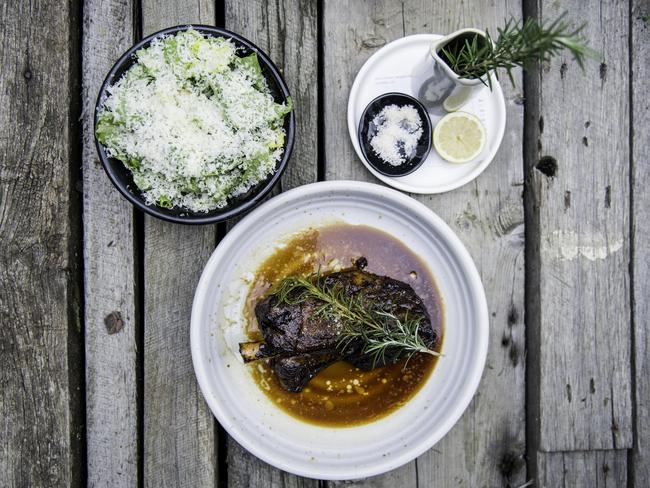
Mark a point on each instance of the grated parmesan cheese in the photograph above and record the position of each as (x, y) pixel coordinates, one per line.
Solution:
(195, 123)
(398, 131)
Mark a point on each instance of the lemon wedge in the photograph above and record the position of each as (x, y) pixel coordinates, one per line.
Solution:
(457, 99)
(459, 137)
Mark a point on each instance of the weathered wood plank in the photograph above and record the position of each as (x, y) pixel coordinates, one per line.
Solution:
(405, 476)
(579, 200)
(179, 429)
(41, 426)
(247, 471)
(111, 322)
(486, 447)
(601, 469)
(640, 468)
(287, 32)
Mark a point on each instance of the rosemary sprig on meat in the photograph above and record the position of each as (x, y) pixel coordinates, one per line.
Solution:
(379, 330)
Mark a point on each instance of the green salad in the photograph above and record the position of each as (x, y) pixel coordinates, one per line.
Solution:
(195, 123)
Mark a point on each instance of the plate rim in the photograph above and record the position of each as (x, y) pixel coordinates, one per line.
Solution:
(382, 465)
(391, 180)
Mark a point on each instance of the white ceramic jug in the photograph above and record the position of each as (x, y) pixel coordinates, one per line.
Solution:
(436, 84)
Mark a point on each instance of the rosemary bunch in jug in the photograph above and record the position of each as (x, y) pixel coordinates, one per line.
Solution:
(517, 44)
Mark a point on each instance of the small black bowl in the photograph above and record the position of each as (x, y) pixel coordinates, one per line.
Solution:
(367, 129)
(121, 176)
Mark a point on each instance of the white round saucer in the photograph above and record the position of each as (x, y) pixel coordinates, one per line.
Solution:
(392, 69)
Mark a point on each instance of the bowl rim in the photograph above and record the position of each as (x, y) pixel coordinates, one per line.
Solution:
(190, 217)
(474, 374)
(426, 121)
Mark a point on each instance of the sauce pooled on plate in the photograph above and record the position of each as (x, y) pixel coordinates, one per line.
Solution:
(342, 395)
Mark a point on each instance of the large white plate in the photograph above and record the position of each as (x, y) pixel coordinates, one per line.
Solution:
(396, 67)
(338, 453)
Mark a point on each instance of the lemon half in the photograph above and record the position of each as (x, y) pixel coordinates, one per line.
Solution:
(459, 137)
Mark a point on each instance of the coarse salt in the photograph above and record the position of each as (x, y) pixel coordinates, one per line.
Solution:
(399, 129)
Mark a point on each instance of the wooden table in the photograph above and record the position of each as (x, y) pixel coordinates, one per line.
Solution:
(95, 371)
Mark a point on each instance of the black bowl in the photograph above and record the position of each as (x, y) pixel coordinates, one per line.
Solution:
(121, 176)
(367, 129)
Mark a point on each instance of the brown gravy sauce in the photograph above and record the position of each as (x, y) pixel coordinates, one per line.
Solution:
(342, 395)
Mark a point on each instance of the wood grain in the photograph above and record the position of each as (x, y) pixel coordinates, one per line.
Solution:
(640, 131)
(287, 31)
(111, 321)
(602, 469)
(579, 189)
(179, 429)
(486, 447)
(247, 471)
(41, 377)
(405, 476)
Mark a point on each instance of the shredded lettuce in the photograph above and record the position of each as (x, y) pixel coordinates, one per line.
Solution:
(252, 64)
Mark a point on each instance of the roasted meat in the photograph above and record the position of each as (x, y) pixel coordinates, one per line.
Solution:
(300, 342)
